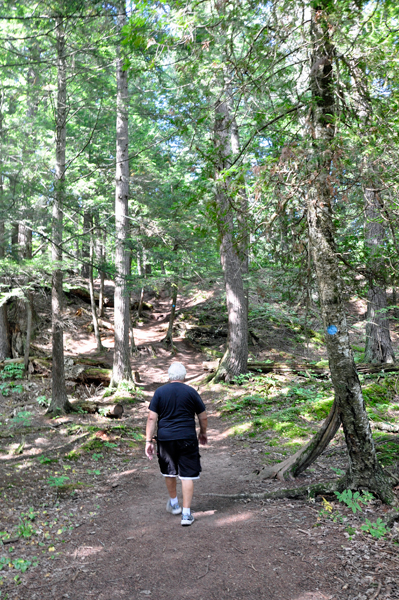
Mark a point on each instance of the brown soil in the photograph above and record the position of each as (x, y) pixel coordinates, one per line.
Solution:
(112, 537)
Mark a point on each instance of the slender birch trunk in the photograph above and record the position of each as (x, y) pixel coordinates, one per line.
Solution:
(59, 401)
(121, 369)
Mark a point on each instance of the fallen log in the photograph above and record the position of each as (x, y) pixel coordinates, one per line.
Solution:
(95, 375)
(272, 367)
(113, 411)
(92, 362)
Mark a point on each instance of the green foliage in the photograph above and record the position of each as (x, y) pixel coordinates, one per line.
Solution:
(97, 456)
(26, 529)
(377, 529)
(254, 405)
(43, 401)
(93, 444)
(353, 500)
(46, 460)
(12, 371)
(338, 472)
(23, 417)
(73, 455)
(20, 564)
(57, 481)
(388, 452)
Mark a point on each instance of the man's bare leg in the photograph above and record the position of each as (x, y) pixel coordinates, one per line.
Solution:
(188, 491)
(171, 485)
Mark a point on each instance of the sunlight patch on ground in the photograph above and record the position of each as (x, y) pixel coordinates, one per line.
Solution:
(233, 519)
(115, 476)
(313, 596)
(238, 429)
(84, 551)
(204, 513)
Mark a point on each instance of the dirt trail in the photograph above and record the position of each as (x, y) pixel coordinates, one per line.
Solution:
(235, 549)
(133, 548)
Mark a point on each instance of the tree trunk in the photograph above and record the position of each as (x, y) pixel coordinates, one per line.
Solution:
(168, 339)
(25, 241)
(5, 348)
(364, 470)
(29, 312)
(141, 301)
(378, 340)
(139, 264)
(133, 347)
(233, 258)
(14, 239)
(100, 257)
(92, 299)
(121, 368)
(59, 401)
(87, 223)
(301, 460)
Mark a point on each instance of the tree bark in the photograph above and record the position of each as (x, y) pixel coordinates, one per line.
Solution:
(233, 255)
(87, 223)
(378, 340)
(92, 298)
(121, 368)
(25, 241)
(5, 348)
(364, 470)
(168, 339)
(59, 401)
(100, 257)
(29, 315)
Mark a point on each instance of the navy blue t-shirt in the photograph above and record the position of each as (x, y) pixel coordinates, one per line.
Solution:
(176, 405)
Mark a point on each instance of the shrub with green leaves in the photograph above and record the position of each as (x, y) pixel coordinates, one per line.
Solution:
(57, 481)
(377, 529)
(354, 499)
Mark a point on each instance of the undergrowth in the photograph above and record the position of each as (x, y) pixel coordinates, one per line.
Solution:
(286, 413)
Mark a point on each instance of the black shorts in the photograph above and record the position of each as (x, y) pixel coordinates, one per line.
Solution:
(179, 457)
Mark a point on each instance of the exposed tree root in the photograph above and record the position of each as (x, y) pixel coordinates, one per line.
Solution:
(301, 460)
(391, 518)
(311, 491)
(306, 491)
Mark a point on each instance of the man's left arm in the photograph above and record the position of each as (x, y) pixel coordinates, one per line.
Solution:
(149, 433)
(203, 421)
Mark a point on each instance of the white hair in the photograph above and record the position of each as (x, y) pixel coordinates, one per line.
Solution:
(177, 372)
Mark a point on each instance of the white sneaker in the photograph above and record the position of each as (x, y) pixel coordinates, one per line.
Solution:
(174, 509)
(187, 519)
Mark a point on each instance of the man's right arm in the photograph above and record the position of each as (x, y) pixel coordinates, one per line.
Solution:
(203, 421)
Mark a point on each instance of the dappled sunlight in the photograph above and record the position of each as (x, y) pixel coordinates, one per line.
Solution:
(237, 518)
(313, 596)
(204, 513)
(42, 441)
(238, 429)
(117, 476)
(84, 551)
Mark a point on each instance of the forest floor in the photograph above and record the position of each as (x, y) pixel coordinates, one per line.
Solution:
(83, 510)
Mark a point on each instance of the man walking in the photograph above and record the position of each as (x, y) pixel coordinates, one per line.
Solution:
(174, 407)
